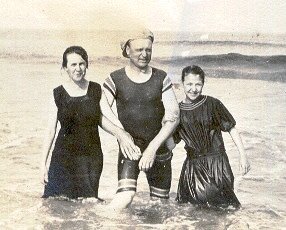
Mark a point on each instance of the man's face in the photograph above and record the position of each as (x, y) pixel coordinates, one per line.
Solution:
(139, 52)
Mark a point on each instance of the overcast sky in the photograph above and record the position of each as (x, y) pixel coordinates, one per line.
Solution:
(176, 15)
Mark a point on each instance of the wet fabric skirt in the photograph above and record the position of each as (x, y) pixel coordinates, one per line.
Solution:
(207, 181)
(74, 176)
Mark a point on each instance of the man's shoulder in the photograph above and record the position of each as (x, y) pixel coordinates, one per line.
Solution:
(159, 72)
(117, 73)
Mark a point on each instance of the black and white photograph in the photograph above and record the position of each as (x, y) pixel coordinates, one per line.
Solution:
(143, 114)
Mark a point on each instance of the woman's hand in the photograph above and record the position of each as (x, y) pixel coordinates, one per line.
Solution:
(170, 143)
(127, 146)
(44, 175)
(147, 159)
(244, 164)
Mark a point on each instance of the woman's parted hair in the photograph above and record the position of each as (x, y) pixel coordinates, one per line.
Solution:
(75, 49)
(193, 69)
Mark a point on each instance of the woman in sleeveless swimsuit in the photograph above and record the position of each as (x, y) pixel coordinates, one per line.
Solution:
(79, 106)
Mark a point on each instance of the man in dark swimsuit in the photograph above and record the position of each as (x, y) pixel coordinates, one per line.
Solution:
(148, 110)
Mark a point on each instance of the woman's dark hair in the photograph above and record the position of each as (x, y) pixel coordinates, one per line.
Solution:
(193, 69)
(75, 49)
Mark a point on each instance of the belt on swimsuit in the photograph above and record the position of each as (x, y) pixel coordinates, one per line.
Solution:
(196, 154)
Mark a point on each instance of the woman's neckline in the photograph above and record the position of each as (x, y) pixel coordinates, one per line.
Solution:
(86, 93)
(198, 99)
(192, 105)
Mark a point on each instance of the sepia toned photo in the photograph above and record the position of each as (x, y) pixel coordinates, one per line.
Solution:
(143, 114)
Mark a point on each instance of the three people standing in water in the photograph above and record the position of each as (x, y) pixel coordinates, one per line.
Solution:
(148, 114)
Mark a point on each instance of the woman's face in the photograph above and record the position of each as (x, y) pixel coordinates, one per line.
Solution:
(76, 67)
(193, 86)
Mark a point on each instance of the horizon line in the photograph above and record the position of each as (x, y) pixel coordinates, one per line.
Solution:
(168, 31)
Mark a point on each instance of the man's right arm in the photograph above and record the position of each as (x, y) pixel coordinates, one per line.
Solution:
(110, 90)
(126, 142)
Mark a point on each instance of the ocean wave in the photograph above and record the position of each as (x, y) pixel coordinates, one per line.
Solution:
(220, 43)
(226, 58)
(233, 65)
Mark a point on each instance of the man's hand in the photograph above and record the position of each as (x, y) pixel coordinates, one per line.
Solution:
(127, 146)
(147, 159)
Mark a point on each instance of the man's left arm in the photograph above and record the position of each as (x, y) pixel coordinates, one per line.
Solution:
(171, 120)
